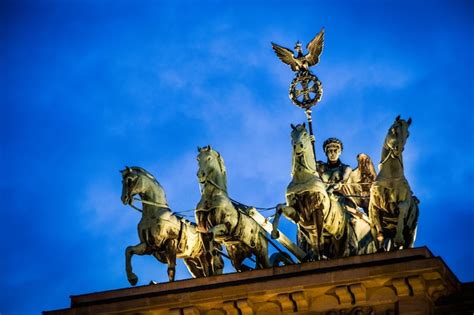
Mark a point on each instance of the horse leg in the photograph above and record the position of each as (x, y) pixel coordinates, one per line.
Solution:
(219, 231)
(140, 249)
(412, 222)
(276, 219)
(314, 244)
(171, 258)
(376, 226)
(319, 221)
(217, 263)
(237, 256)
(403, 211)
(363, 237)
(208, 252)
(192, 265)
(288, 212)
(262, 254)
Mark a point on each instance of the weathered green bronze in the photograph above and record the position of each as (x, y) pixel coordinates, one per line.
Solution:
(219, 220)
(393, 208)
(163, 234)
(329, 228)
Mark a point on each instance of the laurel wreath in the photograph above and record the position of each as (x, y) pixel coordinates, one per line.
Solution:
(305, 78)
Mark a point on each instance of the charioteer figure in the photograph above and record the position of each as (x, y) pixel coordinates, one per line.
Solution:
(334, 173)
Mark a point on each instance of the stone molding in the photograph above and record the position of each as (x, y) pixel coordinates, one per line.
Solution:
(384, 283)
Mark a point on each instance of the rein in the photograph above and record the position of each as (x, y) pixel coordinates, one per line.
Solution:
(233, 200)
(161, 205)
(151, 203)
(391, 154)
(240, 213)
(136, 208)
(215, 184)
(304, 165)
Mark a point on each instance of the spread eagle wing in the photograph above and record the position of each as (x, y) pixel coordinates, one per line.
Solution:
(287, 56)
(315, 48)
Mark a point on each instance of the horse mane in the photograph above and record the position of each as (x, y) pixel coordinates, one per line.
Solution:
(144, 172)
(294, 161)
(220, 161)
(401, 123)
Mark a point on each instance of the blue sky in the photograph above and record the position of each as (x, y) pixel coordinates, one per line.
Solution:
(89, 87)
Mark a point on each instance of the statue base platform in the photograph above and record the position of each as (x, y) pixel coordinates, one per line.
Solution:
(411, 281)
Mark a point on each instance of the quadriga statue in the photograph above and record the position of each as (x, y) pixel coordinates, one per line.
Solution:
(329, 229)
(393, 208)
(162, 233)
(219, 220)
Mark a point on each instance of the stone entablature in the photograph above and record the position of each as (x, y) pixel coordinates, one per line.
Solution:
(402, 282)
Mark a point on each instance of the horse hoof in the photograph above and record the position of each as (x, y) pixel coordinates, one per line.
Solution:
(133, 279)
(398, 243)
(275, 235)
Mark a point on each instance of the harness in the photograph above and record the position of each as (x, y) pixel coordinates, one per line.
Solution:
(233, 232)
(390, 183)
(239, 214)
(391, 154)
(180, 233)
(151, 203)
(297, 159)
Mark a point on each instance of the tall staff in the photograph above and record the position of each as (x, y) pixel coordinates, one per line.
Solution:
(305, 90)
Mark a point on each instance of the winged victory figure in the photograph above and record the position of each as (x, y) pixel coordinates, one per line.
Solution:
(300, 62)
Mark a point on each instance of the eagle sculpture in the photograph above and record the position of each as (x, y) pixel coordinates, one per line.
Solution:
(301, 62)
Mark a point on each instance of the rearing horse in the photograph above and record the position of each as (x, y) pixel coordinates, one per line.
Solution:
(220, 220)
(319, 216)
(163, 234)
(392, 207)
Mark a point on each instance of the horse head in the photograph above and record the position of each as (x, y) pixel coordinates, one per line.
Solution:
(397, 136)
(300, 138)
(130, 184)
(136, 180)
(303, 155)
(211, 168)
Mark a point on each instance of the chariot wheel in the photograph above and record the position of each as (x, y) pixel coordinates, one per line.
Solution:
(276, 259)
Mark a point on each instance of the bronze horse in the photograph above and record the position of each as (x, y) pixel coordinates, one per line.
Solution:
(393, 208)
(327, 227)
(219, 220)
(162, 233)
